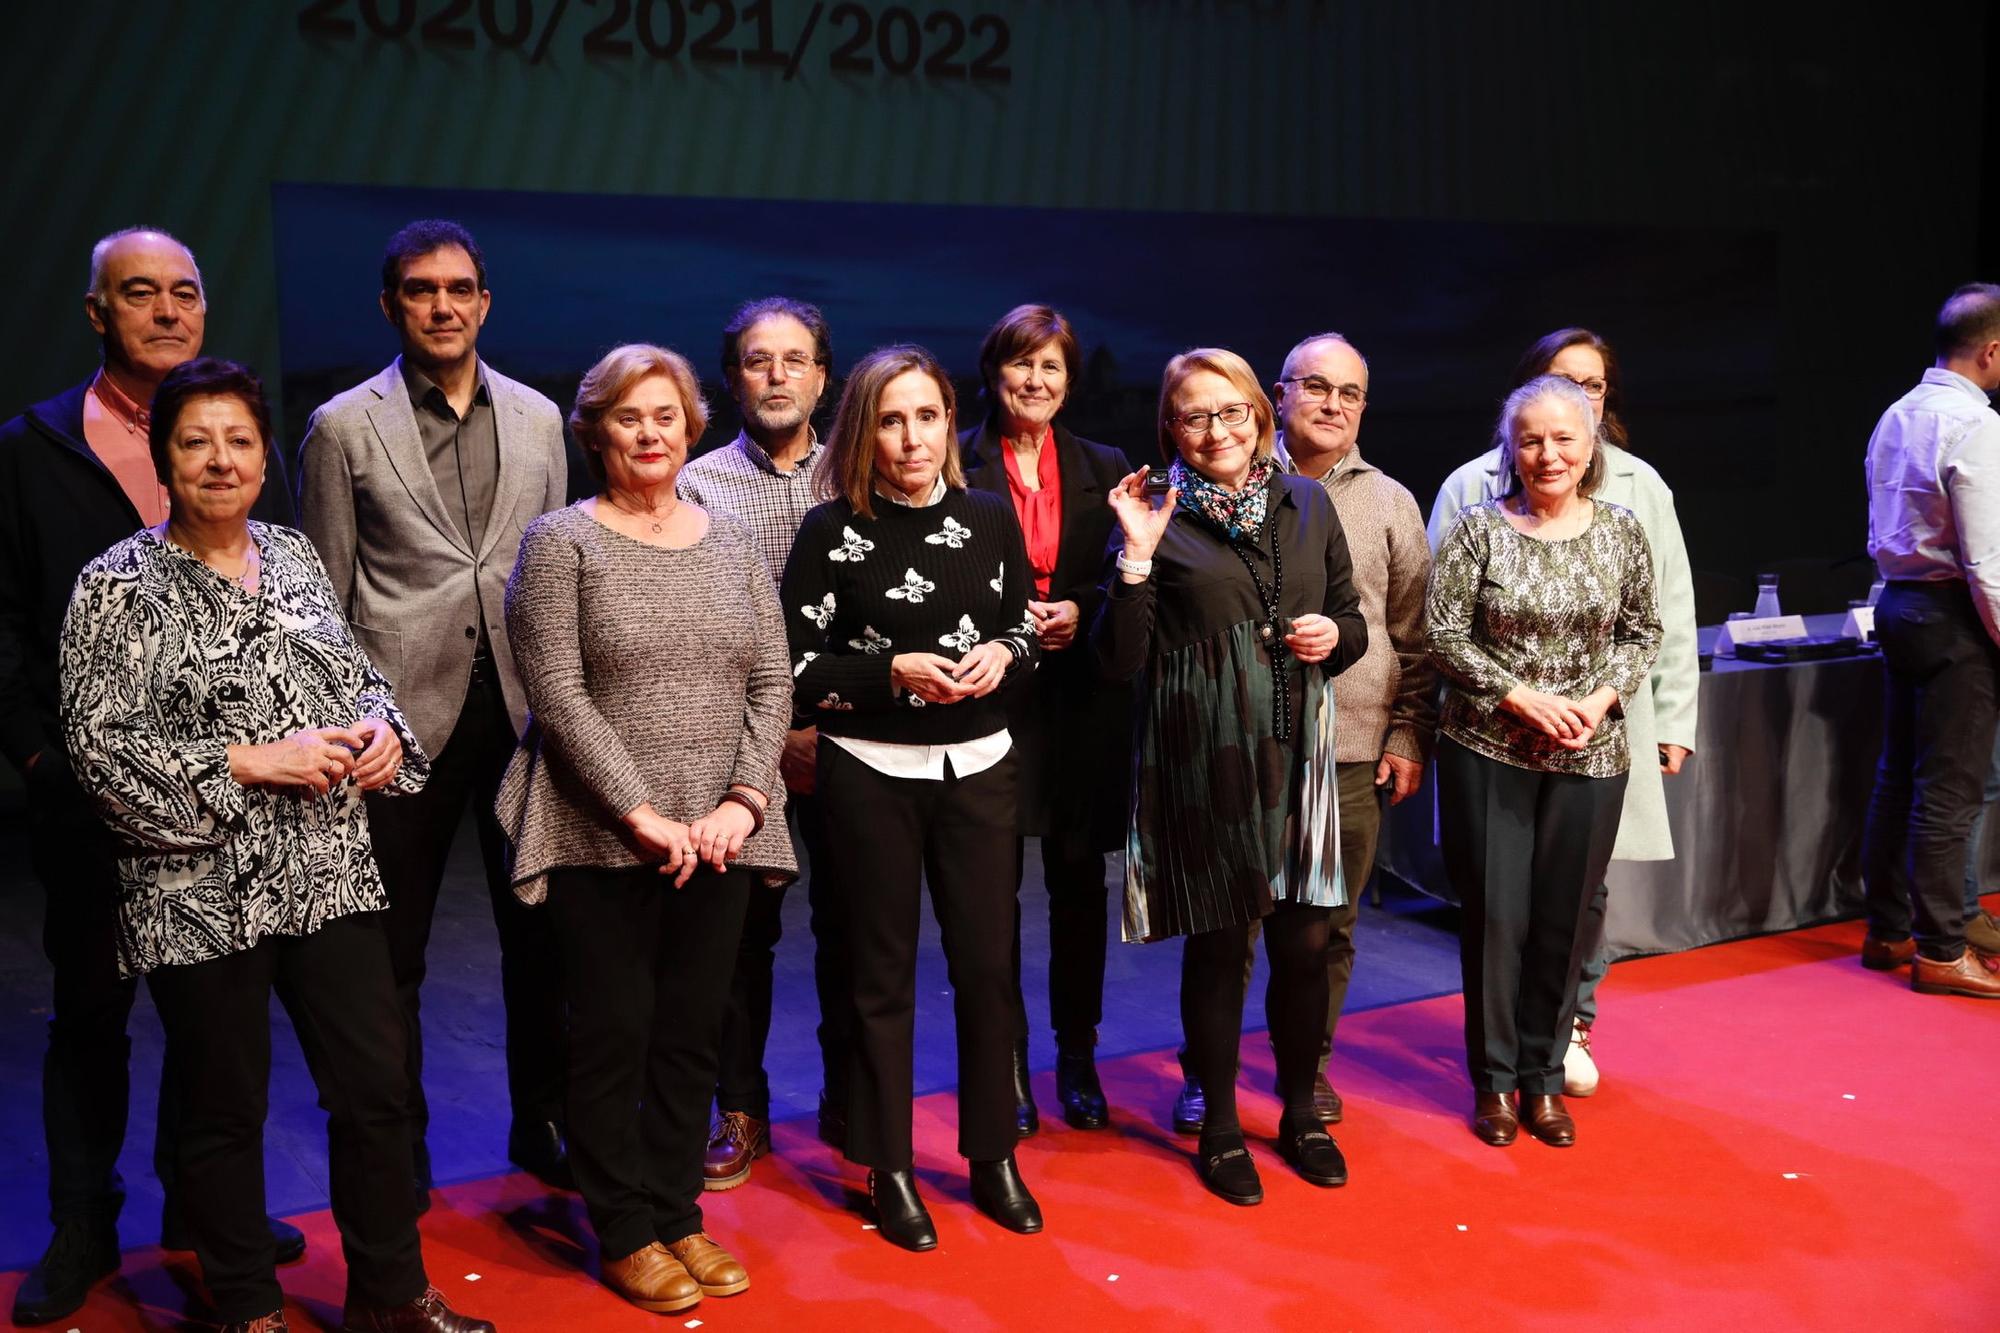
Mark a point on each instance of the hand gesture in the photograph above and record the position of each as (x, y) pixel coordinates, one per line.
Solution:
(1672, 757)
(932, 678)
(1401, 776)
(376, 766)
(1055, 623)
(1555, 716)
(314, 758)
(665, 839)
(1142, 523)
(980, 671)
(718, 835)
(1313, 637)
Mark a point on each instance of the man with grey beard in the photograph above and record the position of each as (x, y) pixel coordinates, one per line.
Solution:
(776, 354)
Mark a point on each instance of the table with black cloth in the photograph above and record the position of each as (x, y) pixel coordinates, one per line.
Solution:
(1766, 815)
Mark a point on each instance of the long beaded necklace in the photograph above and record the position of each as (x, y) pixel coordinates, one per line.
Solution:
(1272, 630)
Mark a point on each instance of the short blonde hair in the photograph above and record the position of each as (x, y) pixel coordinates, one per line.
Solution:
(610, 379)
(847, 472)
(1223, 362)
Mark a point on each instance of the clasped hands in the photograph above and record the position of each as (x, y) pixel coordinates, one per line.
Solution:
(1569, 722)
(939, 680)
(368, 752)
(717, 837)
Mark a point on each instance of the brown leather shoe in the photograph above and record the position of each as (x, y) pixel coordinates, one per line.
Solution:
(426, 1314)
(652, 1279)
(734, 1141)
(1494, 1119)
(1982, 932)
(1887, 955)
(1967, 974)
(1326, 1102)
(710, 1265)
(1548, 1119)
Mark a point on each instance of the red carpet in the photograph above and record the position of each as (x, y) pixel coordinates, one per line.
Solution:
(1783, 1140)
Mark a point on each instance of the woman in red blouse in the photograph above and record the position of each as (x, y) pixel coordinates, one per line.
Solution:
(1071, 731)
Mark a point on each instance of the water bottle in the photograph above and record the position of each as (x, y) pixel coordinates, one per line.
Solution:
(1767, 596)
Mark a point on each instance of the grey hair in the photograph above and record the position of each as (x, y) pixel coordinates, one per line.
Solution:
(1536, 390)
(96, 292)
(1327, 337)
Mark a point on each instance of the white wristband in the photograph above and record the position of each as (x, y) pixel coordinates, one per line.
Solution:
(1138, 569)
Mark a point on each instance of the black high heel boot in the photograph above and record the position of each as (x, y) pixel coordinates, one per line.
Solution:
(899, 1214)
(999, 1192)
(1077, 1089)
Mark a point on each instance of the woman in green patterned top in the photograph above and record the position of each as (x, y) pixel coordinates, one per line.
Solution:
(1236, 600)
(1543, 621)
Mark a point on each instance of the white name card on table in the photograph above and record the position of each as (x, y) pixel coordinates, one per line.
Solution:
(1758, 629)
(1860, 623)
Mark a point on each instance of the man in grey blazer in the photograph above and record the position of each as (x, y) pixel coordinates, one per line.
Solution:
(416, 486)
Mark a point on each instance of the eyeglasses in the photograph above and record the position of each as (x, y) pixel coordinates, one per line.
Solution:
(1313, 389)
(1593, 388)
(795, 364)
(1196, 423)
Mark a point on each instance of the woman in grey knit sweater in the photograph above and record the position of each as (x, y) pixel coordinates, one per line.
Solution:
(642, 806)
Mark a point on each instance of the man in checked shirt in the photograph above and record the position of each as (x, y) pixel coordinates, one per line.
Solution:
(775, 357)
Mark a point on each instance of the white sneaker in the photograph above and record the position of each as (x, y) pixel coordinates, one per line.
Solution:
(1579, 1070)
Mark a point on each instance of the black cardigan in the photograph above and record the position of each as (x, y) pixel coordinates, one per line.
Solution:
(1072, 728)
(60, 508)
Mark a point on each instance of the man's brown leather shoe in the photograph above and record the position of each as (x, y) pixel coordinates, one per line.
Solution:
(1982, 932)
(426, 1314)
(1967, 974)
(652, 1279)
(710, 1265)
(1494, 1119)
(1887, 955)
(734, 1141)
(1548, 1119)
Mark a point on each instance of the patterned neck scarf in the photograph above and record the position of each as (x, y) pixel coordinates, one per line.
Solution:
(1236, 514)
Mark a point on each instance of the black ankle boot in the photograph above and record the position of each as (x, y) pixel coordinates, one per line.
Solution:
(1226, 1167)
(1026, 1119)
(1079, 1092)
(899, 1214)
(999, 1192)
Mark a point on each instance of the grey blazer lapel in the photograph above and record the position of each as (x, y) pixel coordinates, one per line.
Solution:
(395, 423)
(516, 450)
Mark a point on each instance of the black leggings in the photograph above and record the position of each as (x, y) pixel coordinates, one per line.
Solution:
(1212, 983)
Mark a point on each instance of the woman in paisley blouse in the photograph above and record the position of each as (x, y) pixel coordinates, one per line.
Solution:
(906, 599)
(1544, 623)
(225, 723)
(1236, 599)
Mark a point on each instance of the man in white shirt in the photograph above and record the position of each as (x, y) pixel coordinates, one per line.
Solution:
(1934, 529)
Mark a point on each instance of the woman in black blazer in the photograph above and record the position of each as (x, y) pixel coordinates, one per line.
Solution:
(1072, 731)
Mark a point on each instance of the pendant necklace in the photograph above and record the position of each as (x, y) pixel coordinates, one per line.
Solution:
(657, 520)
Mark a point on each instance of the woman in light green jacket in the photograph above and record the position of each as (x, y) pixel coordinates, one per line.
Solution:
(1661, 718)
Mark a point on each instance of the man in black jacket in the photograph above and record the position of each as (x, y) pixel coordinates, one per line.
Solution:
(75, 477)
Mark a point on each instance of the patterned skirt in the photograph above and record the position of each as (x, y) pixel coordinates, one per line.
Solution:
(1228, 818)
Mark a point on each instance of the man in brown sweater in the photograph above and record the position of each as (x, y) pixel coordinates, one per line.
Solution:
(1385, 706)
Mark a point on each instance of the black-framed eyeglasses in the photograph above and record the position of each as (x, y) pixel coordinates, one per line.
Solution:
(1197, 423)
(1593, 388)
(795, 364)
(1314, 389)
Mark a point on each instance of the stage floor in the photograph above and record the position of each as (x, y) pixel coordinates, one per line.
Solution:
(1782, 1140)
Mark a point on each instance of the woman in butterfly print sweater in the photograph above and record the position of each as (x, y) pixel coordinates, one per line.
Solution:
(906, 605)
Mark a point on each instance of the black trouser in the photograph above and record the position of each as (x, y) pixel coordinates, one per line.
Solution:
(1212, 986)
(1073, 873)
(1525, 849)
(337, 986)
(413, 837)
(86, 1078)
(646, 969)
(1940, 683)
(894, 833)
(746, 1026)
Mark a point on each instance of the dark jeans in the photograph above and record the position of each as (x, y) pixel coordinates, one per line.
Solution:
(337, 986)
(746, 1026)
(1212, 986)
(1975, 836)
(958, 834)
(647, 969)
(1074, 876)
(412, 837)
(1524, 849)
(86, 1080)
(1941, 688)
